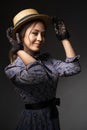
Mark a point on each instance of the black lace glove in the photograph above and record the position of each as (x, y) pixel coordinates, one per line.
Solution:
(60, 28)
(16, 44)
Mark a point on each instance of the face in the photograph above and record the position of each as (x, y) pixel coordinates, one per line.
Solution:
(34, 37)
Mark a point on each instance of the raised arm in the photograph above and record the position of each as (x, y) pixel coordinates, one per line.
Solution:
(17, 48)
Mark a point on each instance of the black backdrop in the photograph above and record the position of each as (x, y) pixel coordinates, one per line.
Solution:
(72, 90)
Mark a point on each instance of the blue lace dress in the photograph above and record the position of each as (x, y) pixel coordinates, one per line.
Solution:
(37, 82)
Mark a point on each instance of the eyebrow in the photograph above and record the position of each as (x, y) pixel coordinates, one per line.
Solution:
(38, 30)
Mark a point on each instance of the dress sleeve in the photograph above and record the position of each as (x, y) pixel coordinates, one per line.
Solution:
(70, 66)
(26, 74)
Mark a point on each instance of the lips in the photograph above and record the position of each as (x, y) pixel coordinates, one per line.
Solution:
(38, 44)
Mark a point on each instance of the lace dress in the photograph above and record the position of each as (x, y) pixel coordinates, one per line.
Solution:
(37, 82)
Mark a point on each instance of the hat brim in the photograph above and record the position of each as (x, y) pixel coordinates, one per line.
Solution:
(45, 18)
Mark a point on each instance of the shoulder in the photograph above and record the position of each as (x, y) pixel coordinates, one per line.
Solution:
(15, 63)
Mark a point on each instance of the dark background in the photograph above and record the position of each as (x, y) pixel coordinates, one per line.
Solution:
(71, 90)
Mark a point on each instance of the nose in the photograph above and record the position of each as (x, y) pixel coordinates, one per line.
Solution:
(39, 37)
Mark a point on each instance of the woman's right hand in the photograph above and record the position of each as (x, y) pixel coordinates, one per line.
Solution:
(16, 44)
(9, 32)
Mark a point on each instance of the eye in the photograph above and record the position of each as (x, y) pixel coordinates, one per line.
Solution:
(35, 33)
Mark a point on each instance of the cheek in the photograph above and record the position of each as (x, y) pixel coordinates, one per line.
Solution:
(26, 39)
(31, 38)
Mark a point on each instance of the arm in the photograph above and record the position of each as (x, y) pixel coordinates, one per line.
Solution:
(31, 74)
(71, 65)
(17, 48)
(69, 51)
(26, 58)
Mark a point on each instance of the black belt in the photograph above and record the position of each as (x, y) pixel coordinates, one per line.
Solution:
(50, 103)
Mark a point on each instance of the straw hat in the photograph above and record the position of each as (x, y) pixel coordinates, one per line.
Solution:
(27, 15)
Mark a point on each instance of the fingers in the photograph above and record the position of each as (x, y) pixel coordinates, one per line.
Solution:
(60, 28)
(9, 32)
(17, 37)
(57, 20)
(58, 24)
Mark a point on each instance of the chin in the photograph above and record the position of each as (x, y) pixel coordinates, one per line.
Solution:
(38, 49)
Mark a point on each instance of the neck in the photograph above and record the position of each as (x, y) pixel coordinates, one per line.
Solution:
(33, 53)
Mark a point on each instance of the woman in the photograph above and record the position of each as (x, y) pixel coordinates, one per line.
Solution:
(35, 75)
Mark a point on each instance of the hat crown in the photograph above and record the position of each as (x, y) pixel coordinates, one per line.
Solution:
(27, 15)
(24, 13)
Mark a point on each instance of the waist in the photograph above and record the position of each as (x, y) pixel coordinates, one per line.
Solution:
(43, 104)
(51, 104)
